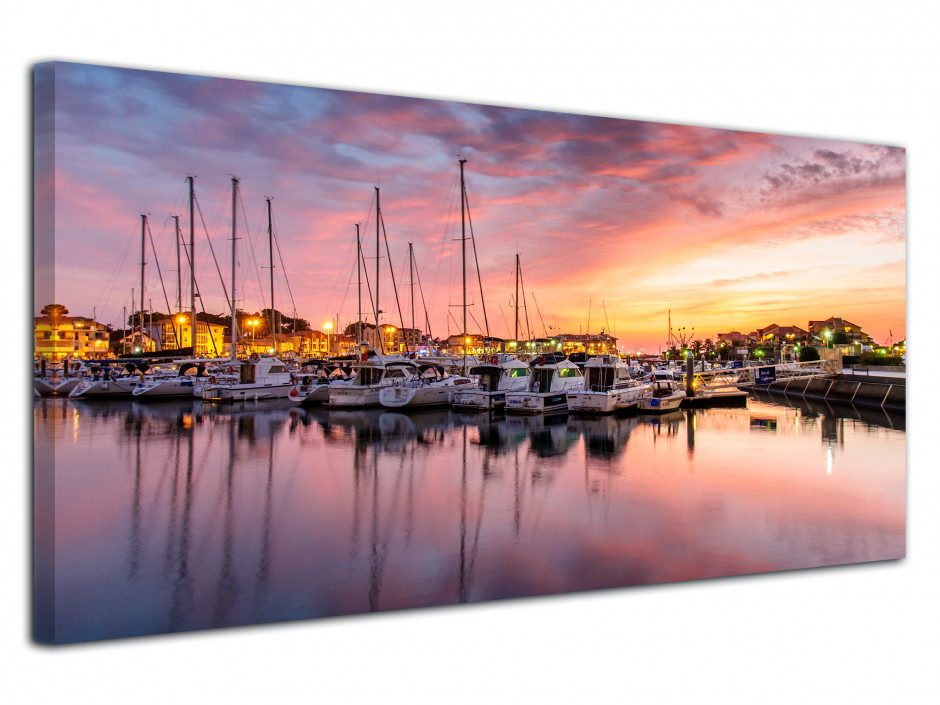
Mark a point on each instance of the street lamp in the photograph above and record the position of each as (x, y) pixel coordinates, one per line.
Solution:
(329, 326)
(828, 336)
(253, 323)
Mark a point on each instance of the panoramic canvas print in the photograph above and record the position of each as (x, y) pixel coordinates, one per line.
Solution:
(305, 353)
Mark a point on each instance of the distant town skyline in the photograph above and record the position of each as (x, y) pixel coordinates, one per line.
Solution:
(618, 220)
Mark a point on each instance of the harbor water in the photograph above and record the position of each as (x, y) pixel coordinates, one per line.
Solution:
(182, 515)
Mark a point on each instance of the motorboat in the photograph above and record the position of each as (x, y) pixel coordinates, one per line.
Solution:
(259, 378)
(551, 377)
(608, 388)
(664, 396)
(495, 380)
(373, 372)
(431, 386)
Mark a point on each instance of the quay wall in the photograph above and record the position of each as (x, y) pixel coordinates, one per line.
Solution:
(883, 392)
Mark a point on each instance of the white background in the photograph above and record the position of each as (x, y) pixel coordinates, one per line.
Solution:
(863, 71)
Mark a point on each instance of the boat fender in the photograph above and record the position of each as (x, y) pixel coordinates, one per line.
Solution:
(211, 379)
(293, 391)
(542, 360)
(364, 357)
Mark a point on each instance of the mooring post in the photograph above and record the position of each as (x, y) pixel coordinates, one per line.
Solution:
(689, 376)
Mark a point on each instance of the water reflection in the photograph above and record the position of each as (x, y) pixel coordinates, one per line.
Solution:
(181, 516)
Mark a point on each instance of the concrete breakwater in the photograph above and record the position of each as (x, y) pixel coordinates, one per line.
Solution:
(871, 390)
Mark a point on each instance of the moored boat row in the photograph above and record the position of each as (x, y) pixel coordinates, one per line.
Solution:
(546, 384)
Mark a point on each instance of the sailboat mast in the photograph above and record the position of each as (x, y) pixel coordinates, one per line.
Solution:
(234, 318)
(358, 287)
(143, 261)
(517, 302)
(463, 261)
(378, 224)
(179, 285)
(411, 274)
(271, 258)
(192, 268)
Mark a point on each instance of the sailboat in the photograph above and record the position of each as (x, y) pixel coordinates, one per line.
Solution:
(261, 377)
(431, 386)
(373, 372)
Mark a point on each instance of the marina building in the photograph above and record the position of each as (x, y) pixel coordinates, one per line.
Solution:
(177, 332)
(57, 335)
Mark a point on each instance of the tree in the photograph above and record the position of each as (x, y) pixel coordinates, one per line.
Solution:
(808, 354)
(54, 311)
(840, 337)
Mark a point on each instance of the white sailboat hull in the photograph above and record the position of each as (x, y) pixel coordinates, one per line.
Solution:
(246, 392)
(426, 395)
(354, 396)
(104, 388)
(167, 389)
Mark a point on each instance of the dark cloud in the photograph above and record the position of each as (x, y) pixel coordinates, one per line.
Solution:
(828, 171)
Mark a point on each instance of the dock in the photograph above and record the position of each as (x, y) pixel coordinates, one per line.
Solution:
(881, 389)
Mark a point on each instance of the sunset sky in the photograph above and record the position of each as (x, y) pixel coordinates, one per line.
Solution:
(619, 220)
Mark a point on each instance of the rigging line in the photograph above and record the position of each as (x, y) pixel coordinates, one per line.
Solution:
(108, 290)
(444, 224)
(253, 266)
(391, 269)
(528, 330)
(251, 250)
(604, 304)
(477, 262)
(216, 261)
(503, 313)
(369, 290)
(162, 286)
(544, 329)
(280, 258)
(204, 314)
(427, 320)
(474, 319)
(351, 247)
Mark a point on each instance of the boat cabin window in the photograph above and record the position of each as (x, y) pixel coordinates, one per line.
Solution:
(277, 368)
(489, 382)
(516, 372)
(600, 379)
(541, 381)
(368, 375)
(569, 372)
